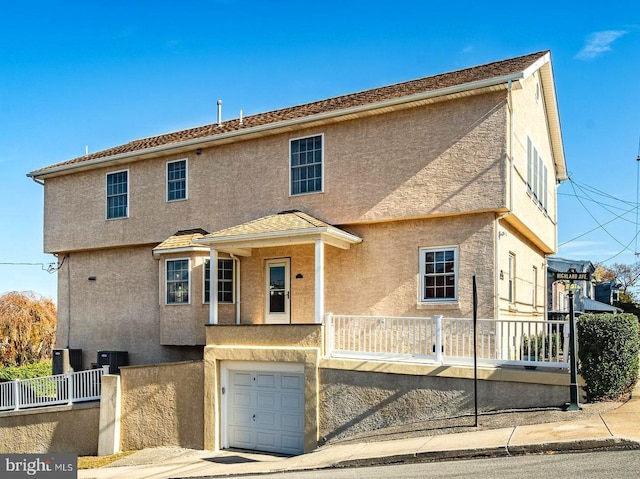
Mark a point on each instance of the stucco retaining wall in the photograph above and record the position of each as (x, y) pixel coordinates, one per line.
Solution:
(353, 402)
(162, 405)
(56, 429)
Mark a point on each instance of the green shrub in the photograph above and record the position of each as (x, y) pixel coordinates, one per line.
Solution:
(544, 345)
(608, 348)
(36, 370)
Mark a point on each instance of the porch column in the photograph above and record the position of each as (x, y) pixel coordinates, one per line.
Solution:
(213, 286)
(319, 280)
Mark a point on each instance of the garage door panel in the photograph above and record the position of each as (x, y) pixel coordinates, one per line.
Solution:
(266, 380)
(266, 419)
(290, 381)
(242, 438)
(292, 443)
(291, 402)
(242, 398)
(241, 417)
(291, 422)
(267, 440)
(266, 400)
(241, 378)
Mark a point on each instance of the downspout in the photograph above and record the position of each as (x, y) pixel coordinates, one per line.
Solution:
(40, 182)
(237, 279)
(67, 257)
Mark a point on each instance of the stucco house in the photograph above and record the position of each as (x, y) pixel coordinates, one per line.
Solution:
(234, 242)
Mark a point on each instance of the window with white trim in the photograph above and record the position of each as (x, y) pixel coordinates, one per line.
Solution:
(438, 274)
(537, 176)
(534, 290)
(176, 180)
(225, 280)
(306, 165)
(512, 278)
(177, 281)
(117, 194)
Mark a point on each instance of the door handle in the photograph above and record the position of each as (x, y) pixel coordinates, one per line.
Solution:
(288, 295)
(254, 418)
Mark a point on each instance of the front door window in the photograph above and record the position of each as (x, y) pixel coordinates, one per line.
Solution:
(277, 291)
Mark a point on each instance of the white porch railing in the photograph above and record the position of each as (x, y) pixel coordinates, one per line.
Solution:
(442, 340)
(52, 390)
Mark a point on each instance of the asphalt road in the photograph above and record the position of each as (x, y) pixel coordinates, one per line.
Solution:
(600, 465)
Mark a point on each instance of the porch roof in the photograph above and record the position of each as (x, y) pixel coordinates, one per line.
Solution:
(181, 241)
(281, 229)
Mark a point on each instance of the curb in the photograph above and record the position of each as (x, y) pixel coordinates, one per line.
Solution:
(590, 445)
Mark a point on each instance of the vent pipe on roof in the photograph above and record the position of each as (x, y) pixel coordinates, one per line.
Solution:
(241, 117)
(219, 112)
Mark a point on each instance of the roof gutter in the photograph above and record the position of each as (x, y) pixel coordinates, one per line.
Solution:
(504, 79)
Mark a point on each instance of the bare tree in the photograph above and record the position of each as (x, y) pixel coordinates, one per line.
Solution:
(627, 275)
(27, 328)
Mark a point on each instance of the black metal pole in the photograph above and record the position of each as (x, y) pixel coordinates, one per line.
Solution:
(573, 364)
(475, 351)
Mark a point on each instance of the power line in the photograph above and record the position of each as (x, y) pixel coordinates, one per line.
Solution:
(48, 267)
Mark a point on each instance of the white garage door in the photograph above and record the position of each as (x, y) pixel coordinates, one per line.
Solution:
(266, 411)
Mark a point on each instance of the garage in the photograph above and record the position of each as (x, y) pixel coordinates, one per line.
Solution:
(263, 406)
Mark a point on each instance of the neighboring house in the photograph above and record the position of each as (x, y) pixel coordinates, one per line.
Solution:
(608, 292)
(242, 235)
(584, 299)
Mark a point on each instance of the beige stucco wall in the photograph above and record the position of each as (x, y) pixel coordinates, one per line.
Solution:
(162, 405)
(63, 429)
(529, 120)
(430, 160)
(358, 397)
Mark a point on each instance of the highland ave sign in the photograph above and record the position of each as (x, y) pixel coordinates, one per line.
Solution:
(571, 276)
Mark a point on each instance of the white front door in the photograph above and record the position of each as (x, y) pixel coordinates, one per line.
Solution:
(278, 294)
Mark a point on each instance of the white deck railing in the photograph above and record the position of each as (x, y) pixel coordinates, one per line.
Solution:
(442, 340)
(52, 390)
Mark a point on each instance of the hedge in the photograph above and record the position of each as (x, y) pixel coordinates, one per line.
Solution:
(36, 370)
(608, 349)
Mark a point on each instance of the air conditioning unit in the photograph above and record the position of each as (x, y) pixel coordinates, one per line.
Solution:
(66, 360)
(113, 359)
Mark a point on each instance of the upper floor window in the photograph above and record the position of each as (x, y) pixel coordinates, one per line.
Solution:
(536, 176)
(306, 165)
(176, 180)
(438, 274)
(118, 194)
(512, 278)
(225, 280)
(177, 281)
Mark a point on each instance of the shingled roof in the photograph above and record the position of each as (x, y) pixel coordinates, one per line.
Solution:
(471, 76)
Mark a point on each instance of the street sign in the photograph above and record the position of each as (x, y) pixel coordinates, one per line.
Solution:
(571, 276)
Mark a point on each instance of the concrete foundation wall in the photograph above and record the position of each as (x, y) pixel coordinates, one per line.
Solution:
(353, 402)
(57, 429)
(162, 405)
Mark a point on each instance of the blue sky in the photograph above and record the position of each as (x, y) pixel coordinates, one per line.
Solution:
(96, 74)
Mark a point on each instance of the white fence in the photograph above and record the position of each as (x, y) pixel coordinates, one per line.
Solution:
(448, 340)
(52, 390)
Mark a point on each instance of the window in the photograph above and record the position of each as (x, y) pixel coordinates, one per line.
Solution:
(534, 290)
(118, 195)
(177, 281)
(306, 165)
(225, 281)
(438, 274)
(537, 176)
(177, 180)
(512, 278)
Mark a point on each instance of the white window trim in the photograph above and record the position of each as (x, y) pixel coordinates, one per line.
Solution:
(534, 291)
(291, 140)
(188, 281)
(106, 201)
(511, 279)
(186, 180)
(233, 281)
(421, 267)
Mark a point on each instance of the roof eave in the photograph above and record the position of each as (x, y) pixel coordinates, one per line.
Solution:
(212, 139)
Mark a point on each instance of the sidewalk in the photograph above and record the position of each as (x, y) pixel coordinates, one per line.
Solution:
(616, 429)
